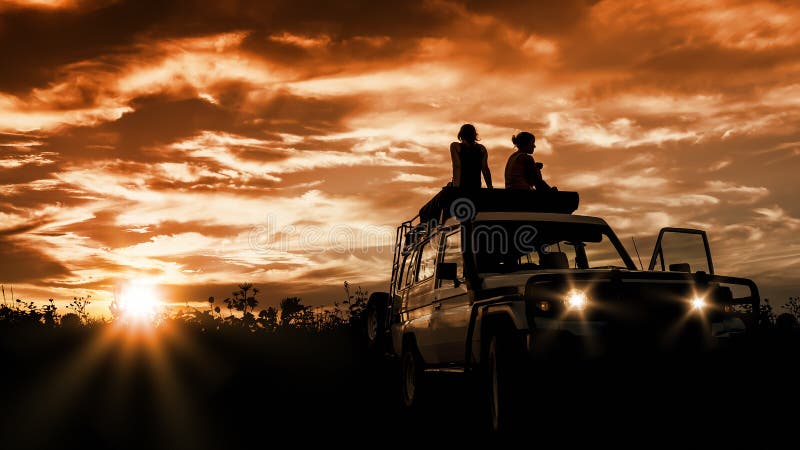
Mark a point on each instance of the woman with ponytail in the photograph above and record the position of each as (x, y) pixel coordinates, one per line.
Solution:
(522, 171)
(470, 159)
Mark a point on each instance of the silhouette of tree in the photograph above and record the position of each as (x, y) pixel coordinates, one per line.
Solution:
(793, 306)
(268, 319)
(50, 314)
(291, 308)
(356, 302)
(243, 301)
(766, 316)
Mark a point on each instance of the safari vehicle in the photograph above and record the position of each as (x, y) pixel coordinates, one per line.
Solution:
(480, 275)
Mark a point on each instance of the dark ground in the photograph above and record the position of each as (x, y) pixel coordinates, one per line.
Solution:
(71, 388)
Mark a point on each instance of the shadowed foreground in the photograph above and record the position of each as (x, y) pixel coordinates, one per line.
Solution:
(109, 387)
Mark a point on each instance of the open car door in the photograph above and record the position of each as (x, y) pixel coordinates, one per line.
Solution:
(682, 250)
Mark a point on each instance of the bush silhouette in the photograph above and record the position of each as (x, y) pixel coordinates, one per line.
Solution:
(78, 306)
(71, 320)
(291, 309)
(793, 306)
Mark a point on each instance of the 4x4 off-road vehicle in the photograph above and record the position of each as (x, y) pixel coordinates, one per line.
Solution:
(485, 273)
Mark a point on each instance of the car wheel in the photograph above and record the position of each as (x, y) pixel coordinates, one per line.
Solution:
(374, 327)
(371, 326)
(502, 371)
(493, 385)
(412, 376)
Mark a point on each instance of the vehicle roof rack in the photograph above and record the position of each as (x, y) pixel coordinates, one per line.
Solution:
(452, 201)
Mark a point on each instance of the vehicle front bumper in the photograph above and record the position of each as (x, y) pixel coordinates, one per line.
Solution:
(586, 338)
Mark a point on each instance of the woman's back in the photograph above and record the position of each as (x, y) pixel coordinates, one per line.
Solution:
(470, 156)
(518, 168)
(470, 160)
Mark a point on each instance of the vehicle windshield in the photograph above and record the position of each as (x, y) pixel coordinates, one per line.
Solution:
(512, 246)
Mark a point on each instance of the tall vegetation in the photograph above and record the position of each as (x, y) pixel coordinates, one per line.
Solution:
(237, 312)
(291, 314)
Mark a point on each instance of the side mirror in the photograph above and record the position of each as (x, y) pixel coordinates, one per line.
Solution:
(680, 267)
(447, 271)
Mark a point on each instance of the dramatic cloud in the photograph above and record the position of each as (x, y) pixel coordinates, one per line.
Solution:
(201, 144)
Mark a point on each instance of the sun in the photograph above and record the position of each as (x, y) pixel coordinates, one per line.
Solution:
(138, 301)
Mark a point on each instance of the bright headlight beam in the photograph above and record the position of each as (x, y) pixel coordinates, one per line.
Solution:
(576, 299)
(698, 303)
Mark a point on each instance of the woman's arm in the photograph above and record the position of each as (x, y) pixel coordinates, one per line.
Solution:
(534, 176)
(487, 174)
(540, 184)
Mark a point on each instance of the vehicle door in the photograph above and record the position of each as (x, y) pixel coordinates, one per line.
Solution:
(419, 299)
(676, 250)
(682, 250)
(452, 304)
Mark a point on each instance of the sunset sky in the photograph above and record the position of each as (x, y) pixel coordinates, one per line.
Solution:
(197, 145)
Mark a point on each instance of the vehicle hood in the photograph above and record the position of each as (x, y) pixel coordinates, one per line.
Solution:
(520, 279)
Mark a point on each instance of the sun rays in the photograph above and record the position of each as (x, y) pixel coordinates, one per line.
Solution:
(140, 353)
(138, 302)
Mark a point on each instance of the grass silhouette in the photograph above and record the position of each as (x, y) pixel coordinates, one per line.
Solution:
(232, 375)
(241, 306)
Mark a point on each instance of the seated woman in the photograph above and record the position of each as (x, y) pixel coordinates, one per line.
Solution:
(522, 171)
(470, 159)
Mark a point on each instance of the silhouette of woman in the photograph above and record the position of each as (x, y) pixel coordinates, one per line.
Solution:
(470, 159)
(522, 171)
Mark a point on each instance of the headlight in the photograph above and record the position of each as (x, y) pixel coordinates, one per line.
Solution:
(544, 306)
(698, 303)
(576, 300)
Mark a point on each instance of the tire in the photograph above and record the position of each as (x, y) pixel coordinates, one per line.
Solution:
(496, 403)
(502, 387)
(374, 326)
(412, 377)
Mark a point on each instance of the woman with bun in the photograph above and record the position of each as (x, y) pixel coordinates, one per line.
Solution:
(522, 171)
(470, 159)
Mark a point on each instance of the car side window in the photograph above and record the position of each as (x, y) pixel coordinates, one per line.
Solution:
(400, 283)
(452, 254)
(411, 265)
(427, 261)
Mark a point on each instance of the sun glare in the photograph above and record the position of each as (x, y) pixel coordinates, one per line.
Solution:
(698, 303)
(138, 301)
